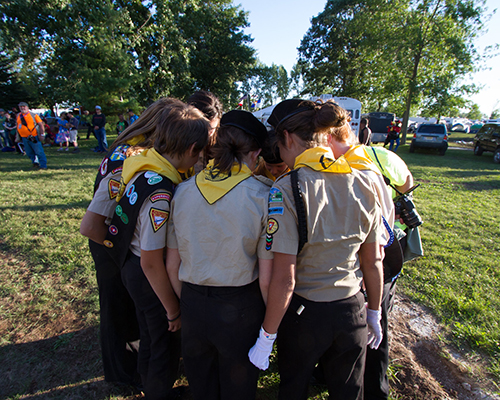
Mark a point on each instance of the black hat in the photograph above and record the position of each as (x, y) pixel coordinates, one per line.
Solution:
(271, 152)
(246, 121)
(130, 110)
(285, 110)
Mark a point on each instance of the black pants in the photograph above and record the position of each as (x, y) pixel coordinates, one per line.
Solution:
(118, 325)
(160, 350)
(219, 326)
(333, 331)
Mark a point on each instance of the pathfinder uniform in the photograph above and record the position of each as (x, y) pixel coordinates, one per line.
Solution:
(140, 224)
(327, 316)
(221, 303)
(118, 323)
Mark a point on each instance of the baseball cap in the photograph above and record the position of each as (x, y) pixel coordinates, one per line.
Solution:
(23, 103)
(97, 107)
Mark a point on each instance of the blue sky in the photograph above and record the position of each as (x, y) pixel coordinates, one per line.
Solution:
(278, 26)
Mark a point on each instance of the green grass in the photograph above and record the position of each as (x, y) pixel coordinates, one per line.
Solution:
(48, 283)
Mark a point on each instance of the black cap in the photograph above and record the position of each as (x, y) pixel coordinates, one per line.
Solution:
(130, 110)
(285, 110)
(271, 152)
(246, 121)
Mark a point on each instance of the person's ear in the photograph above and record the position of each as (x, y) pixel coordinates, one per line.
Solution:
(192, 151)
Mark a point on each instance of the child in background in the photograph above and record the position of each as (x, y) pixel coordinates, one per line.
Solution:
(63, 133)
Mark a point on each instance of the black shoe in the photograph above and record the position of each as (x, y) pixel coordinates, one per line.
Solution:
(36, 166)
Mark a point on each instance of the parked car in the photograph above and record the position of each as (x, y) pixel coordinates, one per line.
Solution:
(379, 123)
(488, 139)
(430, 136)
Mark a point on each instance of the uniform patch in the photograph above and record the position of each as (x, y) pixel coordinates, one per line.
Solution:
(149, 174)
(130, 190)
(155, 179)
(113, 230)
(276, 211)
(133, 198)
(108, 243)
(158, 218)
(275, 196)
(160, 196)
(104, 166)
(119, 210)
(119, 153)
(113, 188)
(272, 226)
(117, 170)
(124, 218)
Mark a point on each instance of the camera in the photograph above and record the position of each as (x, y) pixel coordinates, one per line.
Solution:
(33, 139)
(403, 205)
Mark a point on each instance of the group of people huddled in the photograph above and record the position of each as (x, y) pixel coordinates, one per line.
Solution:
(213, 238)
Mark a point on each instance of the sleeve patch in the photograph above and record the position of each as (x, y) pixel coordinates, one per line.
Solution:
(276, 211)
(158, 218)
(167, 196)
(275, 196)
(113, 188)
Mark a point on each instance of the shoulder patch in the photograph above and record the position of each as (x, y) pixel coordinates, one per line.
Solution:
(158, 218)
(167, 196)
(104, 167)
(113, 188)
(275, 196)
(276, 210)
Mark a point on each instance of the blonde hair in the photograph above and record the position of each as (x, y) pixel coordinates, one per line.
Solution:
(146, 125)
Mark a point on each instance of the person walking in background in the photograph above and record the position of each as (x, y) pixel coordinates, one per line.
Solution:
(131, 116)
(99, 124)
(30, 128)
(73, 131)
(365, 133)
(63, 132)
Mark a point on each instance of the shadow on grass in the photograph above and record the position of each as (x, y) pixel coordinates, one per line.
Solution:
(61, 367)
(83, 204)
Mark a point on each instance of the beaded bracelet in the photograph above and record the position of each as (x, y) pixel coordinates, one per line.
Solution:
(173, 319)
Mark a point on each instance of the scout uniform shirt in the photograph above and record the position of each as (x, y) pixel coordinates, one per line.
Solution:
(220, 243)
(341, 212)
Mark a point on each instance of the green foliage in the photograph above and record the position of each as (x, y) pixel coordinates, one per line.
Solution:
(474, 112)
(495, 114)
(268, 83)
(12, 91)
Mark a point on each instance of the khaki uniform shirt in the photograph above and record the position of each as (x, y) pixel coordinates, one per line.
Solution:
(342, 214)
(104, 200)
(219, 244)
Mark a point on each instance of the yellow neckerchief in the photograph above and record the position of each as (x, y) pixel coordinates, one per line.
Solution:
(322, 159)
(135, 140)
(358, 158)
(148, 160)
(214, 185)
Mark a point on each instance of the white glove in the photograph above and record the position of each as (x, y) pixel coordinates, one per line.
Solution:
(261, 350)
(375, 334)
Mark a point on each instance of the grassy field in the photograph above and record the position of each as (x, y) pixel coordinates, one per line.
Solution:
(49, 305)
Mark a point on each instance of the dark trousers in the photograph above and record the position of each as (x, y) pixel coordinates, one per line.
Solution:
(160, 350)
(333, 331)
(219, 326)
(376, 385)
(118, 322)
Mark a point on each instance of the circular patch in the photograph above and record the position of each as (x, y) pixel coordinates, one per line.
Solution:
(108, 243)
(104, 166)
(124, 218)
(155, 179)
(133, 198)
(119, 210)
(150, 174)
(272, 226)
(130, 190)
(113, 230)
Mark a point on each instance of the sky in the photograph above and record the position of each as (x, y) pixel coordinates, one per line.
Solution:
(278, 26)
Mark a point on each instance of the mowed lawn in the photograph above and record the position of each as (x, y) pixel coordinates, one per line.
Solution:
(48, 296)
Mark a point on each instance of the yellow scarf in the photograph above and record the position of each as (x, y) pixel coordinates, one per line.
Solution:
(135, 140)
(148, 160)
(214, 185)
(358, 158)
(322, 159)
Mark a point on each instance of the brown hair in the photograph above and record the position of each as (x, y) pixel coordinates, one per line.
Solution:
(183, 126)
(207, 103)
(314, 123)
(232, 144)
(146, 125)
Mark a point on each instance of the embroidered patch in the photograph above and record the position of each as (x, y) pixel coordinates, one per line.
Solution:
(149, 174)
(133, 198)
(167, 196)
(275, 196)
(119, 210)
(108, 243)
(276, 211)
(113, 188)
(130, 190)
(119, 153)
(154, 180)
(117, 170)
(113, 230)
(124, 218)
(104, 166)
(272, 226)
(158, 218)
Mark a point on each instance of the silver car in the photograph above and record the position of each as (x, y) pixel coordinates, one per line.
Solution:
(430, 136)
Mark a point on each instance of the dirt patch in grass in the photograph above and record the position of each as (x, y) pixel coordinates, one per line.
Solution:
(57, 356)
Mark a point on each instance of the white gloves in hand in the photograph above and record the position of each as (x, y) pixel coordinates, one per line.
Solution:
(375, 334)
(260, 352)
